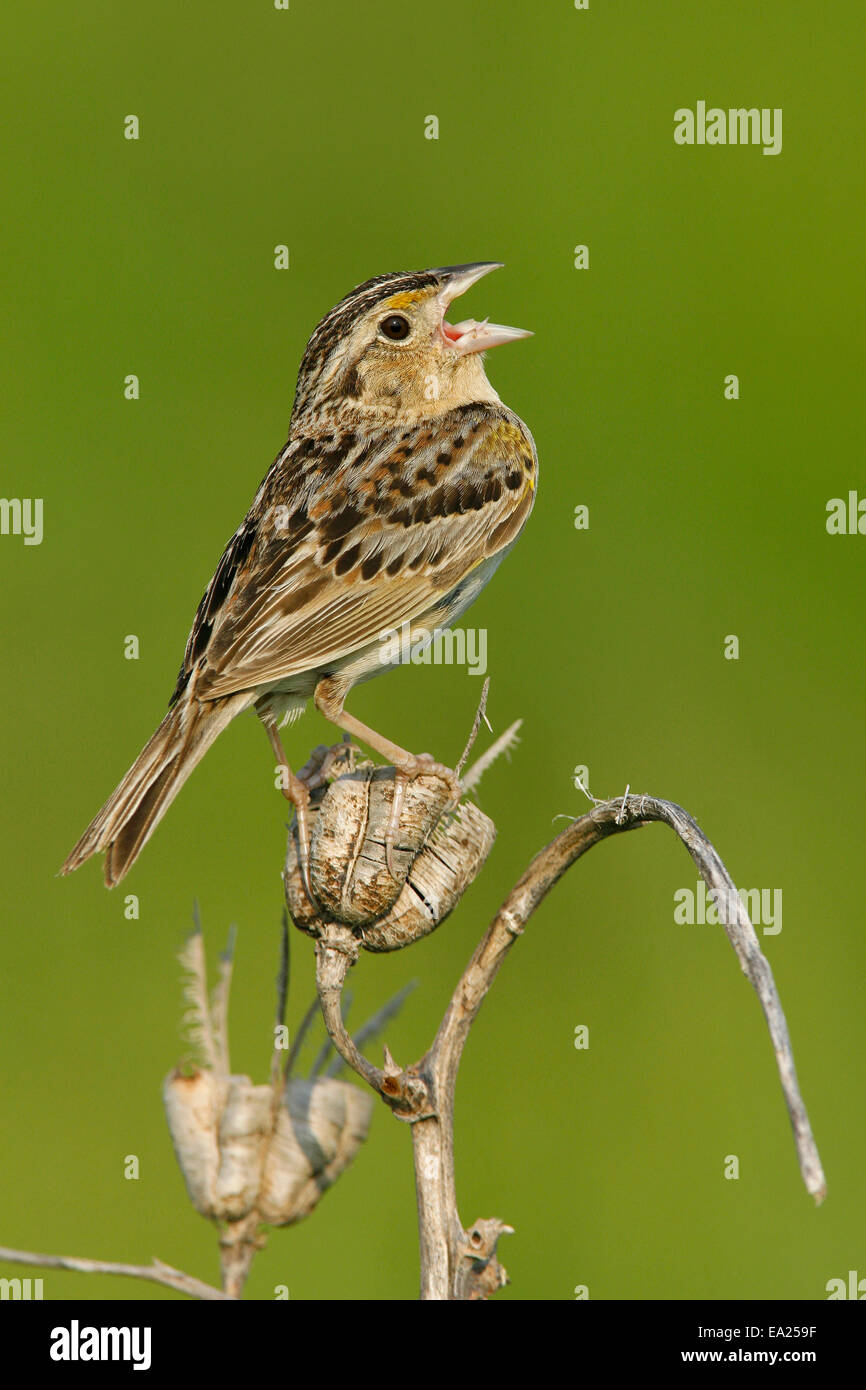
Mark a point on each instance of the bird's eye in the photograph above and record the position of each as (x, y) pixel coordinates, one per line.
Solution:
(395, 327)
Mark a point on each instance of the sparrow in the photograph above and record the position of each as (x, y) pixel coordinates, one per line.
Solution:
(403, 484)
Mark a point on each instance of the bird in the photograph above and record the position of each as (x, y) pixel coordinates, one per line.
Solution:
(403, 484)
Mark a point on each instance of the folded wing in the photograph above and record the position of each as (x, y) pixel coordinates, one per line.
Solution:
(347, 542)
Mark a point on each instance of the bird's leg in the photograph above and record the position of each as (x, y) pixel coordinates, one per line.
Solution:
(323, 760)
(329, 699)
(310, 773)
(297, 792)
(415, 765)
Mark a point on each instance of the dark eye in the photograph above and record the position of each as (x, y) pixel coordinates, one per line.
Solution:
(395, 327)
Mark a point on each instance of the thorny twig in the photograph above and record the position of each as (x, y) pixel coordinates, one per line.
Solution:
(480, 713)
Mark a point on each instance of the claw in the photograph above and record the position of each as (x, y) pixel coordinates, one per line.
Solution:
(322, 760)
(427, 763)
(417, 767)
(309, 773)
(402, 777)
(333, 756)
(300, 802)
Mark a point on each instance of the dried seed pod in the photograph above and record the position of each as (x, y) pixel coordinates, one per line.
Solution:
(244, 1130)
(348, 872)
(437, 854)
(320, 1127)
(192, 1107)
(237, 1159)
(437, 880)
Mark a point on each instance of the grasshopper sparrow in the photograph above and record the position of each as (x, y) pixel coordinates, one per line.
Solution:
(403, 483)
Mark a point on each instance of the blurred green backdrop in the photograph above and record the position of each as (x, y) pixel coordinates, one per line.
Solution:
(707, 518)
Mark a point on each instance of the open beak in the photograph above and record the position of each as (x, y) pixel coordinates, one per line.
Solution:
(470, 335)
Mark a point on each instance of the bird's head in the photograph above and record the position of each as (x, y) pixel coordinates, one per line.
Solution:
(388, 346)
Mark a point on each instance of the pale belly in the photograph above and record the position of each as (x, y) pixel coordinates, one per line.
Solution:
(287, 698)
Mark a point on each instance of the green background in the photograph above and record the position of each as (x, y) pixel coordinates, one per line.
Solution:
(707, 518)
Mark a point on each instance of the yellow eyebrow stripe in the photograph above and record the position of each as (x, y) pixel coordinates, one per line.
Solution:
(402, 301)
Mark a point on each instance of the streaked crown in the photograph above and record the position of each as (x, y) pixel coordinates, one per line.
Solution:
(338, 325)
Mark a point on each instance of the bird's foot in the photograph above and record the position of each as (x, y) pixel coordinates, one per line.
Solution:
(297, 792)
(417, 765)
(321, 763)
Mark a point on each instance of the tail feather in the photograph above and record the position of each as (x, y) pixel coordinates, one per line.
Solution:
(135, 808)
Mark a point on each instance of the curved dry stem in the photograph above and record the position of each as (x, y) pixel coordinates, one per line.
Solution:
(605, 819)
(335, 953)
(405, 1091)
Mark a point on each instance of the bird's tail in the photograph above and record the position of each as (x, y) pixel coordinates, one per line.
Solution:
(135, 808)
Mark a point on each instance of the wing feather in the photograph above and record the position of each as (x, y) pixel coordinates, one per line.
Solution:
(369, 545)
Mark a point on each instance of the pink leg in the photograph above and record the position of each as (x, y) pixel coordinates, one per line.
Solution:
(296, 792)
(329, 699)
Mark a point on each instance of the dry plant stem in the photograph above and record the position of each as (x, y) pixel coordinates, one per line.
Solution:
(336, 951)
(440, 1233)
(156, 1272)
(610, 818)
(239, 1245)
(480, 713)
(334, 955)
(424, 1093)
